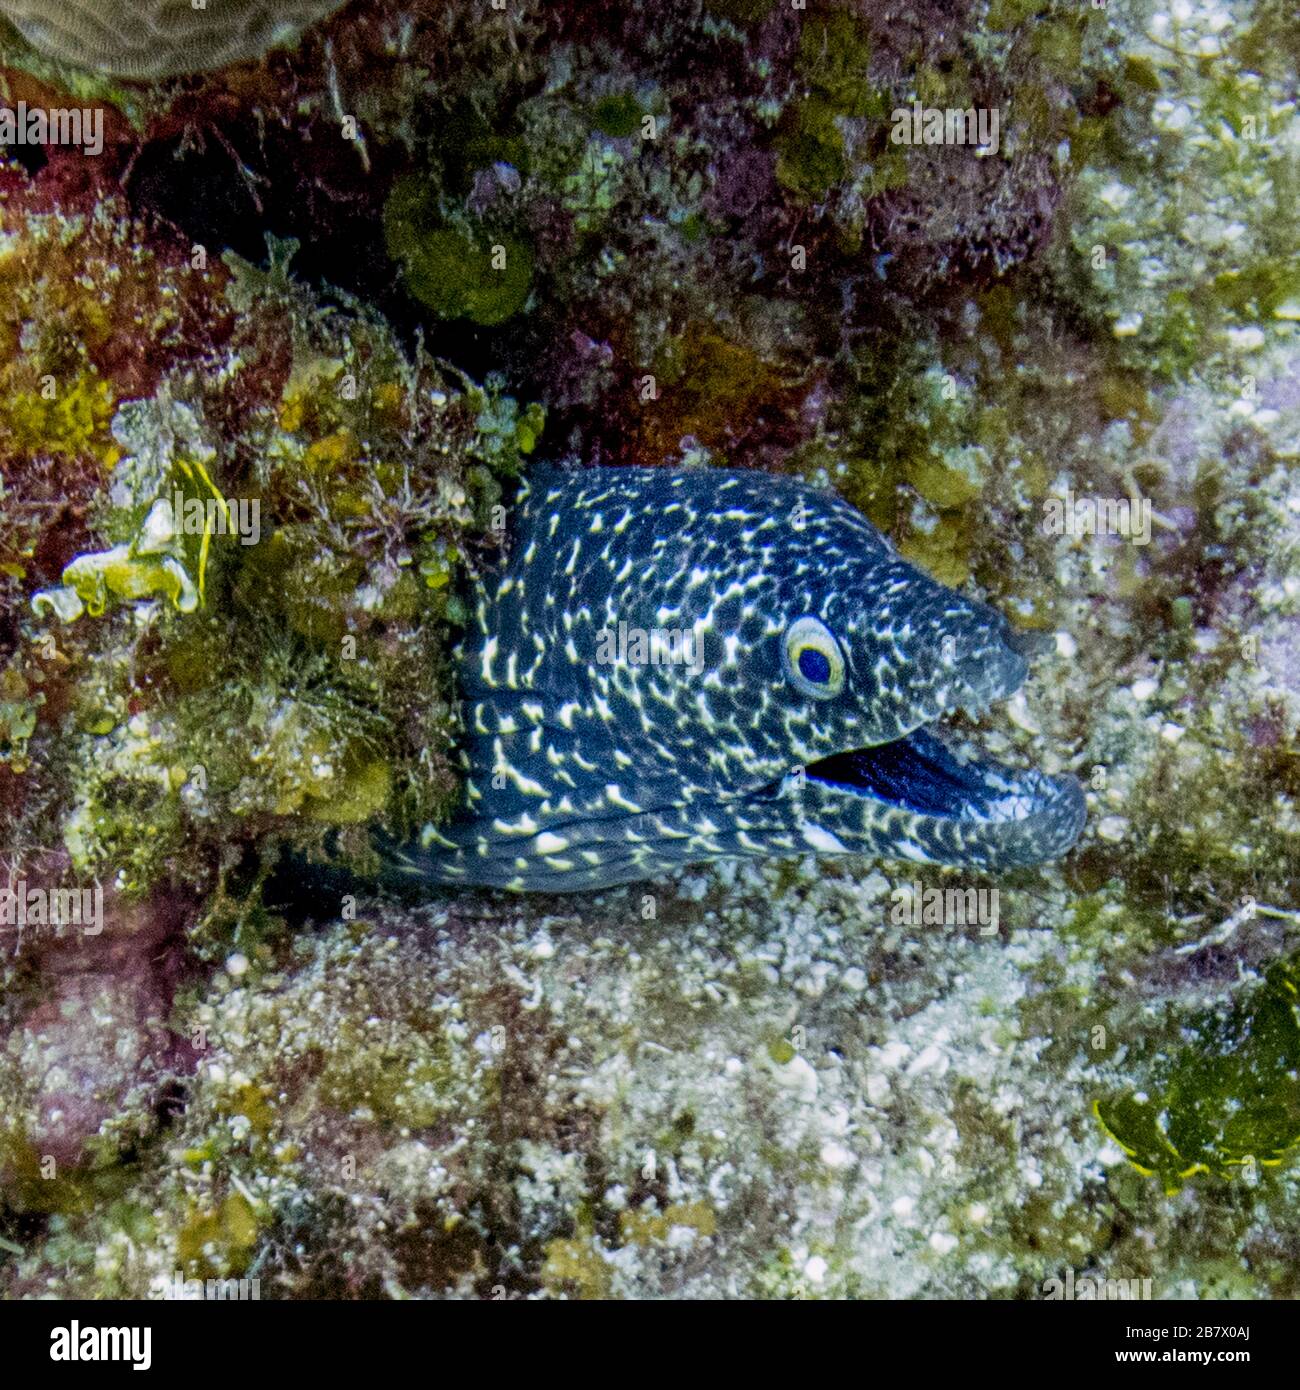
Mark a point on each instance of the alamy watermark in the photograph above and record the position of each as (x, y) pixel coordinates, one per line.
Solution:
(197, 516)
(653, 646)
(25, 906)
(179, 1289)
(918, 906)
(77, 1343)
(1098, 516)
(39, 125)
(930, 125)
(1089, 1289)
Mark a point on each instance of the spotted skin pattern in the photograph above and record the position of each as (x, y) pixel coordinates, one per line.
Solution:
(583, 772)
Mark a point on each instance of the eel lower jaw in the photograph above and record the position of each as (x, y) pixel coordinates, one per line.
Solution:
(1032, 816)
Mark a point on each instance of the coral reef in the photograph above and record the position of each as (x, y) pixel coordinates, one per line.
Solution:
(243, 617)
(161, 39)
(673, 236)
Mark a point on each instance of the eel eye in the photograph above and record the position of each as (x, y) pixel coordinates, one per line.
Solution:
(812, 659)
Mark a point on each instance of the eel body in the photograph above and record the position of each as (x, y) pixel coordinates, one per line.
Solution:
(680, 666)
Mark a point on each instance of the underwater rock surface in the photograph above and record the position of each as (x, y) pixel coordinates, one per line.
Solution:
(272, 363)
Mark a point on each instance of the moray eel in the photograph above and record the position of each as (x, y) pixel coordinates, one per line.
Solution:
(676, 667)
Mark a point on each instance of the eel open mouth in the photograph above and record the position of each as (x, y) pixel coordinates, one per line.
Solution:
(1022, 816)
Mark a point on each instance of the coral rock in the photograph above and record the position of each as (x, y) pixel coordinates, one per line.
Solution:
(161, 39)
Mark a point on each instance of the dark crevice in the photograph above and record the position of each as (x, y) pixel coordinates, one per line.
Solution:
(228, 192)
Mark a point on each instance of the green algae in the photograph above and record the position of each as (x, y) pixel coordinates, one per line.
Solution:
(18, 715)
(1227, 1099)
(459, 271)
(69, 422)
(591, 191)
(507, 432)
(122, 573)
(835, 59)
(618, 115)
(298, 609)
(220, 1242)
(833, 62)
(810, 149)
(924, 463)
